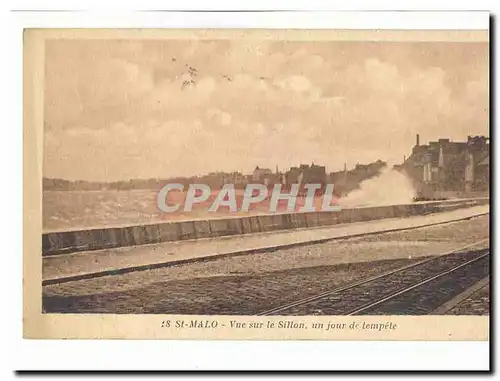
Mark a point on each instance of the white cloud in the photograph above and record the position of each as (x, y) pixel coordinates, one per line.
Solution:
(131, 115)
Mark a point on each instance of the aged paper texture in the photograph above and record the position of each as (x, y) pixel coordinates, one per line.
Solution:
(256, 184)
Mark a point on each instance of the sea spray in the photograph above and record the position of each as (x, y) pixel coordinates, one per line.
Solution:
(389, 188)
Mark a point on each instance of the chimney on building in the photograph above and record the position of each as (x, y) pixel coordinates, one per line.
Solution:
(418, 140)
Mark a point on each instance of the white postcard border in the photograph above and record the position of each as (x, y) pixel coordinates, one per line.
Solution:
(192, 355)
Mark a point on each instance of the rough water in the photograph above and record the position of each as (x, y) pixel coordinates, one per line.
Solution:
(64, 210)
(389, 188)
(77, 209)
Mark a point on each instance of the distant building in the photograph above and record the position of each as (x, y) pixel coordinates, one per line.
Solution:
(260, 174)
(235, 178)
(292, 176)
(449, 166)
(217, 180)
(477, 170)
(213, 179)
(305, 174)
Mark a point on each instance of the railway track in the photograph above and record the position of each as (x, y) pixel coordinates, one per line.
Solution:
(414, 289)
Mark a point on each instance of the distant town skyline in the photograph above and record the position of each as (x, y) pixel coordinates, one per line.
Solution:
(221, 171)
(119, 109)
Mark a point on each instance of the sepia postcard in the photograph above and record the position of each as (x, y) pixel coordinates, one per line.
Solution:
(256, 184)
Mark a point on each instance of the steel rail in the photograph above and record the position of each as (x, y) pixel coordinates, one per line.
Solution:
(363, 281)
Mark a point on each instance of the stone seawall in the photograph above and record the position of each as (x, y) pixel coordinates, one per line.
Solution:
(103, 238)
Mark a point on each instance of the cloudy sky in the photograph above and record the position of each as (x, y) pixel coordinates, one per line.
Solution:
(120, 109)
